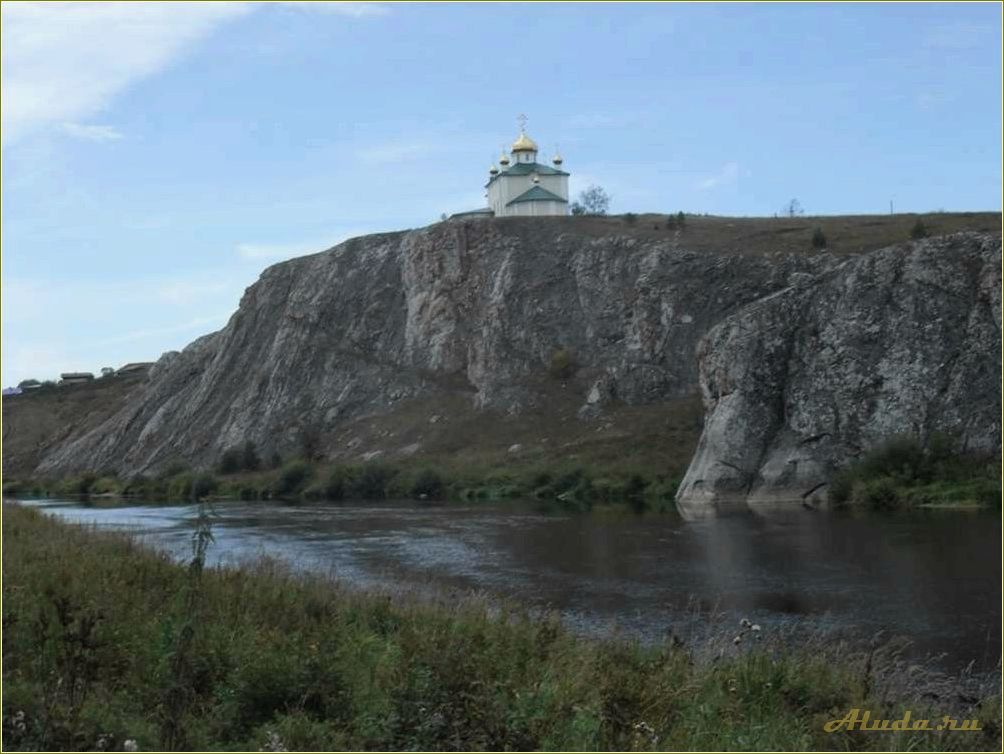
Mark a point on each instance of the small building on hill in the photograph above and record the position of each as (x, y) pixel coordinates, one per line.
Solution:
(75, 378)
(521, 186)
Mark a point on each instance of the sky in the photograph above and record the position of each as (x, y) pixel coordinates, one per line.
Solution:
(157, 157)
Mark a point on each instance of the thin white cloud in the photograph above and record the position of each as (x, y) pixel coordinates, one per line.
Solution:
(92, 132)
(354, 10)
(185, 292)
(727, 176)
(197, 326)
(64, 62)
(275, 252)
(91, 329)
(395, 152)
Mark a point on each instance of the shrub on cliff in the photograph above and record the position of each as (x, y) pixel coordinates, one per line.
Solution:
(919, 230)
(818, 239)
(562, 365)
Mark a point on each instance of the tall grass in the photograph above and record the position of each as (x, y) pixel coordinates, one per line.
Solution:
(96, 653)
(905, 473)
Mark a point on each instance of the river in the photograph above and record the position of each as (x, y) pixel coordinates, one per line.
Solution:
(933, 576)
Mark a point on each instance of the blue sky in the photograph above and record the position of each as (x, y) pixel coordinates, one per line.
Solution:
(156, 157)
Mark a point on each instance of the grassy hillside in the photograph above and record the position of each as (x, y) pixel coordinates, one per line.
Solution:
(845, 234)
(36, 420)
(107, 646)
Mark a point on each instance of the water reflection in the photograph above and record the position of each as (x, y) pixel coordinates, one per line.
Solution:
(934, 577)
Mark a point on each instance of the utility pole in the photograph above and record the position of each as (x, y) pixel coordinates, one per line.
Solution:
(890, 206)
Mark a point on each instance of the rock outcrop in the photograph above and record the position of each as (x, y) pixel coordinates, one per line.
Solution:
(804, 360)
(475, 306)
(905, 340)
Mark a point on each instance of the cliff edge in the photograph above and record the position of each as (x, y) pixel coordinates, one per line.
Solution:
(904, 340)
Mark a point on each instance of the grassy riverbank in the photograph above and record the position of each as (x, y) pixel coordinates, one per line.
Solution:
(569, 483)
(900, 475)
(105, 642)
(904, 474)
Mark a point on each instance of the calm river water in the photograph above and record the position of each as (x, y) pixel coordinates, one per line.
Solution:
(933, 577)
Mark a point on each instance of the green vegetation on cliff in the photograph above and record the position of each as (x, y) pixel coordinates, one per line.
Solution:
(108, 645)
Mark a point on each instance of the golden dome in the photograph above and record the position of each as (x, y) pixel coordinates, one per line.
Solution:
(524, 144)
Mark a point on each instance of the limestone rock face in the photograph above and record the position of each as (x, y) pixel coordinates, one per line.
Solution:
(902, 340)
(475, 306)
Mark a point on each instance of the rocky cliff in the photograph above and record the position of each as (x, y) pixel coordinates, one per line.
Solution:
(804, 359)
(479, 307)
(905, 340)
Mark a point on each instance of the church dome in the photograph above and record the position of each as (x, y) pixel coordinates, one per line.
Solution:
(524, 144)
(503, 159)
(493, 170)
(557, 158)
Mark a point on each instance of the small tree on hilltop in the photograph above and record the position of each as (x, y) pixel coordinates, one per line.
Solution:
(681, 219)
(818, 239)
(577, 209)
(793, 209)
(594, 201)
(630, 218)
(919, 230)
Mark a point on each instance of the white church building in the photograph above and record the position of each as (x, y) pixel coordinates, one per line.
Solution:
(521, 186)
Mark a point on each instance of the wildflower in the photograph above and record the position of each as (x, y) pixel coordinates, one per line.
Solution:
(744, 623)
(755, 627)
(738, 638)
(645, 729)
(273, 742)
(130, 745)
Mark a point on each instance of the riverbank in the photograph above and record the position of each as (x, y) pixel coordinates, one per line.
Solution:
(107, 641)
(900, 475)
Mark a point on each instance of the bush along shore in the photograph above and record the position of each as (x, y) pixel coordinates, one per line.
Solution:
(905, 473)
(109, 646)
(300, 480)
(902, 474)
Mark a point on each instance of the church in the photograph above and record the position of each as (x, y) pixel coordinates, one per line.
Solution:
(521, 186)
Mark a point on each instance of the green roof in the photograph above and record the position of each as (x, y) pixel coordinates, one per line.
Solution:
(537, 194)
(526, 168)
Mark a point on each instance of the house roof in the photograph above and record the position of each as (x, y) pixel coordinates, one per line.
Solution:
(526, 168)
(537, 194)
